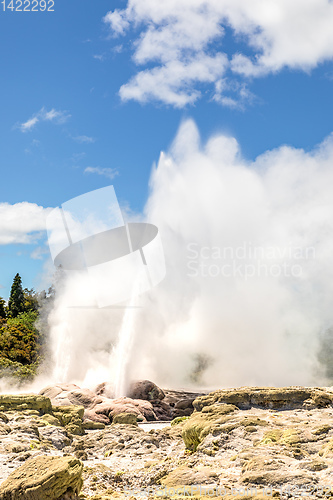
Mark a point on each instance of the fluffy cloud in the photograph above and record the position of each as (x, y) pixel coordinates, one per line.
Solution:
(21, 222)
(43, 115)
(176, 40)
(110, 173)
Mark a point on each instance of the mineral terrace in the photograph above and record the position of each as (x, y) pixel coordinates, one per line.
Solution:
(68, 442)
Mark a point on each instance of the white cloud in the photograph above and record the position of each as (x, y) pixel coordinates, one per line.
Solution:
(29, 124)
(21, 222)
(176, 38)
(174, 83)
(84, 139)
(110, 173)
(38, 252)
(43, 115)
(239, 94)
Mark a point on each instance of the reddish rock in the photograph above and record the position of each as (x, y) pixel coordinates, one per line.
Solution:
(96, 417)
(147, 401)
(145, 389)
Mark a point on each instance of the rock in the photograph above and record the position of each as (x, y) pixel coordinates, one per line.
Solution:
(44, 477)
(4, 429)
(275, 479)
(182, 413)
(58, 437)
(4, 417)
(91, 425)
(16, 447)
(109, 408)
(184, 404)
(315, 465)
(53, 391)
(162, 410)
(327, 449)
(100, 409)
(25, 402)
(145, 389)
(185, 476)
(51, 420)
(268, 397)
(200, 424)
(81, 455)
(125, 418)
(98, 418)
(71, 417)
(84, 397)
(137, 406)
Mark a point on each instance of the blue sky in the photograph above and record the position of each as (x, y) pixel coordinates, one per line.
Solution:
(93, 92)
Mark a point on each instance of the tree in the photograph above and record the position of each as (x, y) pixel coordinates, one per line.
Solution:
(16, 299)
(18, 343)
(30, 300)
(2, 309)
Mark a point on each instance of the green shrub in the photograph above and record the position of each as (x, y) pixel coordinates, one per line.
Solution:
(18, 343)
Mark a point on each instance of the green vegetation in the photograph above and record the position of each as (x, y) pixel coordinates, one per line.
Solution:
(16, 299)
(2, 309)
(178, 420)
(21, 342)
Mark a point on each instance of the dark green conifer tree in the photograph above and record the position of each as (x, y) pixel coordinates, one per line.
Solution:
(2, 308)
(16, 299)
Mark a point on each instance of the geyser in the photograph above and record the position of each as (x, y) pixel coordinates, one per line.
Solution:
(111, 260)
(255, 319)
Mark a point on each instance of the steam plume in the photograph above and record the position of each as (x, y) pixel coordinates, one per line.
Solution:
(249, 285)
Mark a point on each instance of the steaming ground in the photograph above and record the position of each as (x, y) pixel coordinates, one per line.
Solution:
(248, 292)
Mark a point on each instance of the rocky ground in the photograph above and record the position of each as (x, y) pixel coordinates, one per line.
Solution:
(248, 442)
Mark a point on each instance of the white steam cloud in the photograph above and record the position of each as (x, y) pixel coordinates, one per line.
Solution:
(249, 285)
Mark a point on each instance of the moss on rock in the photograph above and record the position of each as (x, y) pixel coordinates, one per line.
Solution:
(51, 420)
(268, 397)
(200, 424)
(43, 477)
(71, 417)
(25, 402)
(125, 418)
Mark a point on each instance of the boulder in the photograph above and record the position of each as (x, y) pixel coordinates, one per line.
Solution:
(51, 420)
(71, 417)
(84, 397)
(58, 437)
(98, 418)
(183, 404)
(91, 425)
(200, 424)
(141, 408)
(162, 410)
(44, 477)
(145, 389)
(125, 418)
(52, 391)
(105, 411)
(21, 402)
